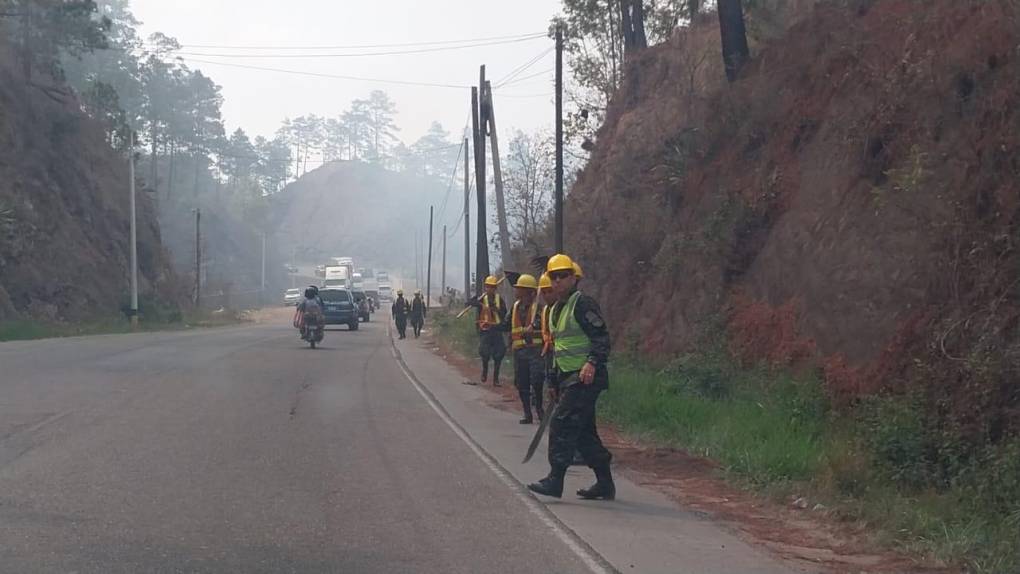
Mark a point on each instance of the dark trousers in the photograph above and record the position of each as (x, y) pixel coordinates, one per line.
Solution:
(401, 325)
(529, 378)
(491, 346)
(417, 323)
(573, 428)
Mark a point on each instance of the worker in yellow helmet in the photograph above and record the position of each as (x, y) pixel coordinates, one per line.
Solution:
(526, 344)
(581, 342)
(489, 319)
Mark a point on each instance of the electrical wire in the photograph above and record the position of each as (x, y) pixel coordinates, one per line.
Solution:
(517, 71)
(363, 54)
(362, 46)
(528, 77)
(330, 76)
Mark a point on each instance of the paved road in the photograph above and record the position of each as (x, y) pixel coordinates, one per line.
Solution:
(240, 450)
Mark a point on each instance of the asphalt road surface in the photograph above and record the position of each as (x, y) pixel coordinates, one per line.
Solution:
(241, 450)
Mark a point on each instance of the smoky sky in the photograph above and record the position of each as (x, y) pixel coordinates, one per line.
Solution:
(240, 32)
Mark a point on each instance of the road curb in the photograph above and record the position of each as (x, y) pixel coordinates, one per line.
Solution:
(591, 557)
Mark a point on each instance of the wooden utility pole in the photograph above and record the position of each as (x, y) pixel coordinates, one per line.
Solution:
(428, 272)
(481, 247)
(443, 282)
(559, 139)
(198, 258)
(497, 175)
(467, 222)
(134, 235)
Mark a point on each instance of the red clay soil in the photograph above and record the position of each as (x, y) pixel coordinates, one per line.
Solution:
(798, 532)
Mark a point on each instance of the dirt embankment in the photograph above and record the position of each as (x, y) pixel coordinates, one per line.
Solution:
(64, 227)
(851, 202)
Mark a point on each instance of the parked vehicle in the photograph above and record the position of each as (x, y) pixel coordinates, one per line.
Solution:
(361, 301)
(340, 307)
(292, 297)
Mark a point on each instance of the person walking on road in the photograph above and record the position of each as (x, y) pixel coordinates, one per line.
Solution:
(524, 325)
(417, 313)
(581, 341)
(491, 314)
(400, 310)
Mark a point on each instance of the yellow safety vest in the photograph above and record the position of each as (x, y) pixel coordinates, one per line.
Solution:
(517, 330)
(572, 344)
(487, 318)
(547, 336)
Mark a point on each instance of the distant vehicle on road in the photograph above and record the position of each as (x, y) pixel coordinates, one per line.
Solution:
(373, 297)
(291, 268)
(385, 293)
(337, 276)
(364, 308)
(340, 307)
(382, 277)
(320, 270)
(292, 297)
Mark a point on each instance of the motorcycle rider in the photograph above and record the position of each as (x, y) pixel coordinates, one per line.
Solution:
(309, 311)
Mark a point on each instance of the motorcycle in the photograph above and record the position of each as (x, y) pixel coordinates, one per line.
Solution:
(312, 327)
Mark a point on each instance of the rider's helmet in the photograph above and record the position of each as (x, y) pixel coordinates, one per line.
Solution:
(310, 293)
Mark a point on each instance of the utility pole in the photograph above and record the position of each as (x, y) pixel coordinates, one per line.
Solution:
(443, 282)
(198, 258)
(559, 138)
(478, 120)
(428, 272)
(497, 175)
(262, 290)
(134, 236)
(467, 222)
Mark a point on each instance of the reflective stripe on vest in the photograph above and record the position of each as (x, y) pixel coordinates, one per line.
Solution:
(547, 338)
(517, 330)
(488, 315)
(571, 344)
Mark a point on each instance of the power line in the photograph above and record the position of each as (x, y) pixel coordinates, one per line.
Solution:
(525, 78)
(366, 54)
(330, 76)
(362, 46)
(506, 79)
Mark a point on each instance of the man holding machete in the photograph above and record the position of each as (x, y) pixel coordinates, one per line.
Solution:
(582, 344)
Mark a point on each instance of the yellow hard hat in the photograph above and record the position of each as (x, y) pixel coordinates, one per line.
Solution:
(491, 281)
(559, 262)
(400, 291)
(527, 282)
(544, 282)
(577, 271)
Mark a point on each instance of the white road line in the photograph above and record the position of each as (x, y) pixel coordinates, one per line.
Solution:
(586, 553)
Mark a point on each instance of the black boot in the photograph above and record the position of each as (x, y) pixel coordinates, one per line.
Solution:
(551, 485)
(495, 373)
(526, 402)
(485, 371)
(603, 489)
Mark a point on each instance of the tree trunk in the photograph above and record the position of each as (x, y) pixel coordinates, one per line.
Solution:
(637, 20)
(170, 173)
(194, 185)
(693, 7)
(734, 37)
(155, 154)
(628, 36)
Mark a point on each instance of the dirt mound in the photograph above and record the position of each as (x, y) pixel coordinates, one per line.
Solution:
(64, 227)
(853, 197)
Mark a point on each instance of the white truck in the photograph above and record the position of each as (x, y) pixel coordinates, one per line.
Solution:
(337, 276)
